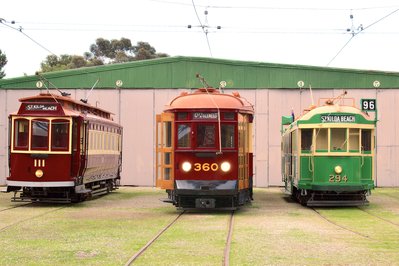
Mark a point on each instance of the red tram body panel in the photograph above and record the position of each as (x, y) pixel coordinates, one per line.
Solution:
(62, 150)
(204, 150)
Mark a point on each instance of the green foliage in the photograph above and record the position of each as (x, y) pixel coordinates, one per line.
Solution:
(3, 62)
(102, 52)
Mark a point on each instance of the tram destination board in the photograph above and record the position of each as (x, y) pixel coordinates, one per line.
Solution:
(368, 105)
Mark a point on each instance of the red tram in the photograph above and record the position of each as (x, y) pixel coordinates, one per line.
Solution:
(62, 150)
(204, 153)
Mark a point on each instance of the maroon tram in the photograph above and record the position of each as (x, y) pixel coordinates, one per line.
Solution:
(204, 150)
(62, 150)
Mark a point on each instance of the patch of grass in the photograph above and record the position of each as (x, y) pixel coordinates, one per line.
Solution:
(271, 231)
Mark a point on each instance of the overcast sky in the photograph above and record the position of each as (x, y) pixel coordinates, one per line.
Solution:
(279, 31)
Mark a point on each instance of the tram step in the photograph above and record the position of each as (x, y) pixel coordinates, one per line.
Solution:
(332, 203)
(166, 200)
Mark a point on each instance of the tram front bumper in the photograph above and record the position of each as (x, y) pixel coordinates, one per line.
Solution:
(206, 187)
(337, 188)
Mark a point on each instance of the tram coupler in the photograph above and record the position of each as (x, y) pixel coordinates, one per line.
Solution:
(205, 203)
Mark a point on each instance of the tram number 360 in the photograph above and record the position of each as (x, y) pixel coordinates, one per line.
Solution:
(206, 167)
(337, 178)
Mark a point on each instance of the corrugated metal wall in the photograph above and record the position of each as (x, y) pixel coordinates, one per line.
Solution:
(135, 109)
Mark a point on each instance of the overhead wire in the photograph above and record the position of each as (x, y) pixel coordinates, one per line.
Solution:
(20, 29)
(203, 28)
(356, 33)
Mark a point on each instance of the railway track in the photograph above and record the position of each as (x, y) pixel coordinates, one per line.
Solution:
(14, 207)
(379, 217)
(4, 228)
(226, 254)
(340, 226)
(149, 243)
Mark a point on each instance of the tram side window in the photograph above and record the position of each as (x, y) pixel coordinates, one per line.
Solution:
(322, 140)
(366, 140)
(205, 136)
(21, 133)
(306, 139)
(338, 139)
(228, 136)
(40, 134)
(354, 140)
(168, 134)
(183, 136)
(59, 134)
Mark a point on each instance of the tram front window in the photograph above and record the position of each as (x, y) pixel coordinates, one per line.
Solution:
(183, 136)
(338, 139)
(228, 136)
(59, 134)
(366, 140)
(206, 136)
(21, 133)
(306, 139)
(40, 136)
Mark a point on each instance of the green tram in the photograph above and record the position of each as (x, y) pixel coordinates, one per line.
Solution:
(328, 154)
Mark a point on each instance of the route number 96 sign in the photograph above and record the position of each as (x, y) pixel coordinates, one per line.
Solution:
(368, 104)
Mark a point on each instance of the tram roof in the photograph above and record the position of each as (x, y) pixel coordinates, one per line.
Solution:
(70, 106)
(206, 98)
(180, 73)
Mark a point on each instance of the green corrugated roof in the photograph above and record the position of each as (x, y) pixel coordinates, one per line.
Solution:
(179, 72)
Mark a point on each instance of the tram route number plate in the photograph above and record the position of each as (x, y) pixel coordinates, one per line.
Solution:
(368, 104)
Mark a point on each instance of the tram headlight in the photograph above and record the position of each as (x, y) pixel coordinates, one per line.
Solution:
(225, 166)
(39, 173)
(186, 166)
(338, 169)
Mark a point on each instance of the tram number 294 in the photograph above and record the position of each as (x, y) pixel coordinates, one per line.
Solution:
(206, 167)
(337, 179)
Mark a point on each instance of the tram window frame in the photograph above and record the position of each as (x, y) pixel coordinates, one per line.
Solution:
(205, 135)
(65, 137)
(306, 140)
(35, 140)
(366, 135)
(232, 141)
(339, 141)
(24, 137)
(354, 140)
(182, 116)
(184, 141)
(229, 116)
(321, 139)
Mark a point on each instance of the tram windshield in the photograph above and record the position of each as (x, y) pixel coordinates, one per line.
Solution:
(41, 134)
(352, 140)
(205, 136)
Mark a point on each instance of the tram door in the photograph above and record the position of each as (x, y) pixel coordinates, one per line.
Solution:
(164, 151)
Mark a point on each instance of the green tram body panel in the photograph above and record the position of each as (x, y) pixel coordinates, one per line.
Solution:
(356, 176)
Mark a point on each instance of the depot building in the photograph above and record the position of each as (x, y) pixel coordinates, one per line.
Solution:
(136, 91)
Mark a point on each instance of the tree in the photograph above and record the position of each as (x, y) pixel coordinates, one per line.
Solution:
(3, 62)
(64, 62)
(102, 52)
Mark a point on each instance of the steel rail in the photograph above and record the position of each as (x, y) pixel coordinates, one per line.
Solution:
(226, 257)
(149, 243)
(378, 217)
(14, 207)
(340, 226)
(2, 229)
